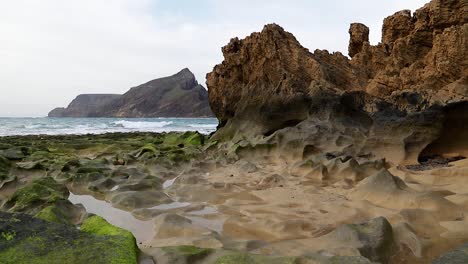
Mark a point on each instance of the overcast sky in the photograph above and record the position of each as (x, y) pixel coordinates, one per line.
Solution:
(53, 50)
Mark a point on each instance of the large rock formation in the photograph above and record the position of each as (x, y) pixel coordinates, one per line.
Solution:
(404, 85)
(178, 95)
(84, 105)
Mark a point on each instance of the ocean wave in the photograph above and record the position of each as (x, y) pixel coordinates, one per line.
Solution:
(141, 124)
(212, 126)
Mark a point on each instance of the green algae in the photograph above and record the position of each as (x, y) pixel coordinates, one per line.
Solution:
(8, 236)
(53, 214)
(36, 195)
(125, 250)
(41, 242)
(5, 166)
(188, 138)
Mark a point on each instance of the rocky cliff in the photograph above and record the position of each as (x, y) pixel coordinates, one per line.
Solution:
(178, 95)
(407, 85)
(381, 132)
(84, 105)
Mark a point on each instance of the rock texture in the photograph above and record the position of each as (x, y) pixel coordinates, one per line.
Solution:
(268, 82)
(179, 95)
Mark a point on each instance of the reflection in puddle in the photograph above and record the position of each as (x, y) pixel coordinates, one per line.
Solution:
(212, 224)
(205, 211)
(142, 230)
(168, 206)
(169, 183)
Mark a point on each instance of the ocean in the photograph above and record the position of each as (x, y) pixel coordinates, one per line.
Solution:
(66, 126)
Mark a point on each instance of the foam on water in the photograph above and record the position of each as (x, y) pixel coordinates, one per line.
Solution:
(65, 126)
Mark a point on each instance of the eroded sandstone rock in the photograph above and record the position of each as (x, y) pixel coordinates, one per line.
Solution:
(268, 82)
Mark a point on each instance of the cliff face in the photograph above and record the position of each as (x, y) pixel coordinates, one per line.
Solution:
(84, 105)
(268, 82)
(178, 95)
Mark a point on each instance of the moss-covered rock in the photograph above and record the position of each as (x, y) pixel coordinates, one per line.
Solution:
(16, 153)
(125, 249)
(36, 195)
(151, 148)
(64, 212)
(188, 138)
(53, 214)
(27, 239)
(5, 166)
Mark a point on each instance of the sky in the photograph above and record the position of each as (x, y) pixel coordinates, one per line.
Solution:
(53, 50)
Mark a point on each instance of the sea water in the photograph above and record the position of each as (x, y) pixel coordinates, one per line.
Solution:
(66, 126)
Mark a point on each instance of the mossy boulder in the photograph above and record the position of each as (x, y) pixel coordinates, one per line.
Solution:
(16, 153)
(26, 239)
(63, 212)
(5, 166)
(188, 138)
(148, 148)
(36, 195)
(125, 249)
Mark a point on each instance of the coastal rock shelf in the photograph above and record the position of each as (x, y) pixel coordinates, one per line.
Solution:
(318, 158)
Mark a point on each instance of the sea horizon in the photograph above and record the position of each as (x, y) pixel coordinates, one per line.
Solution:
(17, 126)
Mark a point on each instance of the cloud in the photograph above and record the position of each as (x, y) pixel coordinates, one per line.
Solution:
(52, 50)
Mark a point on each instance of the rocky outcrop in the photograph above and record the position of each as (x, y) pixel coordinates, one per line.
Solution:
(84, 105)
(268, 82)
(178, 95)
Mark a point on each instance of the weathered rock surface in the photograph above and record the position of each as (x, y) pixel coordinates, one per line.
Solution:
(26, 239)
(178, 95)
(405, 84)
(456, 256)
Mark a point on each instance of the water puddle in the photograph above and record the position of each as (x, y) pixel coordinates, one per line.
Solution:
(205, 211)
(173, 205)
(142, 230)
(169, 183)
(211, 224)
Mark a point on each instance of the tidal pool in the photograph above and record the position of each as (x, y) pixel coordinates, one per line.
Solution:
(142, 230)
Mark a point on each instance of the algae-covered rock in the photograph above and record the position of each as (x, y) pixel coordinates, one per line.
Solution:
(64, 212)
(26, 239)
(5, 166)
(17, 153)
(188, 138)
(36, 195)
(31, 165)
(151, 148)
(125, 249)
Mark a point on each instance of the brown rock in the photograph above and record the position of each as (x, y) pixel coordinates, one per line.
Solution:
(359, 34)
(268, 82)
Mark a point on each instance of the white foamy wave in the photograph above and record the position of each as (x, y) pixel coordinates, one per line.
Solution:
(141, 124)
(208, 126)
(64, 126)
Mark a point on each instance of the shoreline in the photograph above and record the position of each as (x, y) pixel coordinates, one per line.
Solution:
(240, 201)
